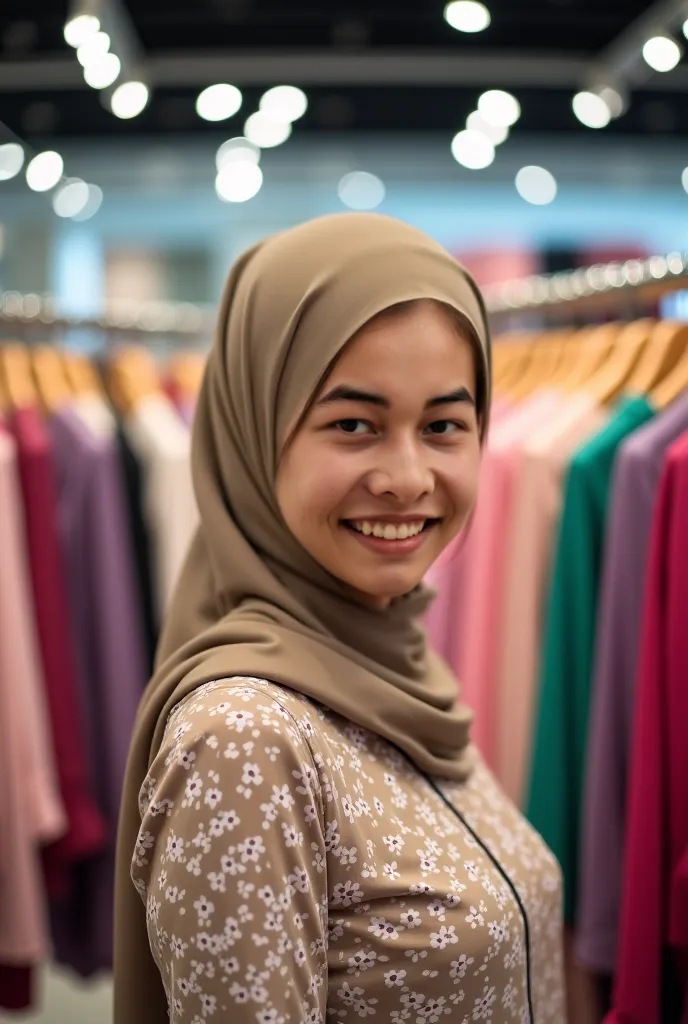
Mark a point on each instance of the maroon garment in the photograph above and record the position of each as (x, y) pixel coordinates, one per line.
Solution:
(16, 987)
(87, 831)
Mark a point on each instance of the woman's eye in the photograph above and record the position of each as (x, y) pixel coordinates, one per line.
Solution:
(444, 428)
(357, 427)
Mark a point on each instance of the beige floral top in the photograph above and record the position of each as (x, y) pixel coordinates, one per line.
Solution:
(297, 868)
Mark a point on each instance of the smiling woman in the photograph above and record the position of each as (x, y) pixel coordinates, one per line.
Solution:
(308, 830)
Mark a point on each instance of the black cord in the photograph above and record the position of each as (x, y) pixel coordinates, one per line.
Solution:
(506, 878)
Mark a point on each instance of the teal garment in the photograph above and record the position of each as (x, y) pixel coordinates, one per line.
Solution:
(558, 765)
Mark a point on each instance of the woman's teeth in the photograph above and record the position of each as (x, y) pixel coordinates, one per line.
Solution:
(388, 531)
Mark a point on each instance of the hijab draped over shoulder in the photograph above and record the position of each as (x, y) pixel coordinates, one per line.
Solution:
(250, 600)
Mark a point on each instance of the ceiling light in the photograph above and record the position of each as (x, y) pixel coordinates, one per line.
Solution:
(685, 28)
(472, 149)
(497, 134)
(684, 179)
(360, 190)
(71, 199)
(11, 160)
(467, 16)
(536, 185)
(614, 100)
(129, 99)
(218, 102)
(238, 181)
(95, 198)
(499, 108)
(77, 30)
(284, 103)
(591, 110)
(44, 171)
(93, 48)
(236, 149)
(662, 53)
(103, 72)
(263, 132)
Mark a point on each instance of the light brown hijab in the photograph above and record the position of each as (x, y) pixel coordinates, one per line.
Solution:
(251, 601)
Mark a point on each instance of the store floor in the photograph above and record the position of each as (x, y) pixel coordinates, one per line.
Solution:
(66, 1001)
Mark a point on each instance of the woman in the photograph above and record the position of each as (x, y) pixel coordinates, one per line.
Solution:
(305, 821)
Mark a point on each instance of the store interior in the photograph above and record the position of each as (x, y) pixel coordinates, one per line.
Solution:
(544, 144)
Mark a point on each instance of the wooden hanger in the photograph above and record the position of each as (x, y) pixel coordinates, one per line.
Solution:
(19, 384)
(673, 385)
(570, 354)
(54, 390)
(518, 360)
(133, 376)
(81, 374)
(607, 384)
(547, 352)
(186, 369)
(596, 345)
(667, 344)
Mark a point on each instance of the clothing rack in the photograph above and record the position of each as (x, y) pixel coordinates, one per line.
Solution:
(181, 320)
(597, 289)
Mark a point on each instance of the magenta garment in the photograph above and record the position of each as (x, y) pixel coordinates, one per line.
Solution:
(107, 616)
(634, 490)
(653, 916)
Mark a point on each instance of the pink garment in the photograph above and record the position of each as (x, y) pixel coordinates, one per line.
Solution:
(538, 469)
(32, 812)
(483, 593)
(654, 912)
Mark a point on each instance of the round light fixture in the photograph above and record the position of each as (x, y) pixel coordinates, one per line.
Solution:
(93, 48)
(284, 103)
(236, 149)
(499, 108)
(11, 160)
(467, 16)
(263, 132)
(536, 185)
(685, 28)
(472, 149)
(77, 30)
(129, 99)
(497, 134)
(218, 102)
(662, 53)
(95, 198)
(591, 110)
(684, 179)
(44, 171)
(103, 72)
(71, 199)
(238, 181)
(361, 190)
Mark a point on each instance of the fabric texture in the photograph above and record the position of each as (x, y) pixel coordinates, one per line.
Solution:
(635, 485)
(353, 890)
(110, 659)
(654, 913)
(252, 601)
(556, 783)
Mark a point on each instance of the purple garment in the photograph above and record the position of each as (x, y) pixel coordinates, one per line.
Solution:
(111, 663)
(634, 488)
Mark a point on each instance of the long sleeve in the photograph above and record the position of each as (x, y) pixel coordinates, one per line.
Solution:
(230, 863)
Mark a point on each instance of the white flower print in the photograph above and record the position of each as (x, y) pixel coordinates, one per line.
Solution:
(390, 871)
(475, 918)
(175, 848)
(212, 798)
(444, 937)
(482, 1009)
(186, 759)
(346, 893)
(231, 751)
(410, 919)
(204, 908)
(395, 844)
(395, 978)
(432, 1010)
(239, 720)
(178, 947)
(252, 849)
(460, 966)
(194, 789)
(383, 929)
(291, 836)
(437, 909)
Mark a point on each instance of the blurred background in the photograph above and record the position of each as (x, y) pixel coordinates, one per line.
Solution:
(144, 145)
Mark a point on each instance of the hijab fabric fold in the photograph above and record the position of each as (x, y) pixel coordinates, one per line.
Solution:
(250, 600)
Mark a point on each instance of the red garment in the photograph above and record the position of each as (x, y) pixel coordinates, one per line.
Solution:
(16, 987)
(653, 918)
(87, 831)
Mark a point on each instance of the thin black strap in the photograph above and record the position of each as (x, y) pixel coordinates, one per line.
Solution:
(507, 879)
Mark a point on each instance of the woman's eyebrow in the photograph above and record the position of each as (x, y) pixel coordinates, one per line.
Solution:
(347, 393)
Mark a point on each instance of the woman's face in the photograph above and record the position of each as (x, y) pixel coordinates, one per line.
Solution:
(383, 471)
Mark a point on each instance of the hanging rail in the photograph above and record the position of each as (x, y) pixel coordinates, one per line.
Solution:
(601, 285)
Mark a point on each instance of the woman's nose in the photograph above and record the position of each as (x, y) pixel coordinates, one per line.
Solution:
(402, 472)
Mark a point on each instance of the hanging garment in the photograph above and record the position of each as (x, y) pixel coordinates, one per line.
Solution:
(110, 657)
(161, 442)
(86, 832)
(555, 796)
(457, 912)
(31, 810)
(655, 916)
(536, 509)
(634, 491)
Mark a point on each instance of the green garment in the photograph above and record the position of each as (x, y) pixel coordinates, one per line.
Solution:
(558, 765)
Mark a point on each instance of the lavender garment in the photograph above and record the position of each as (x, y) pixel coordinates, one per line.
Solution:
(111, 661)
(636, 479)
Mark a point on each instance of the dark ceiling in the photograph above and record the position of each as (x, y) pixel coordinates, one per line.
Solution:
(44, 104)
